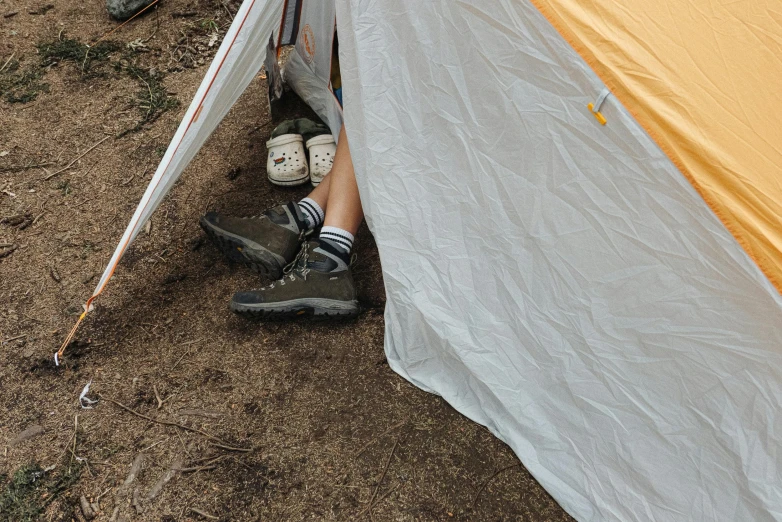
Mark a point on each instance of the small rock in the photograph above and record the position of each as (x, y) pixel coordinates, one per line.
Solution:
(29, 433)
(124, 9)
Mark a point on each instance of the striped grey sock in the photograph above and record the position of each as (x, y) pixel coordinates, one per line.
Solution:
(312, 212)
(337, 237)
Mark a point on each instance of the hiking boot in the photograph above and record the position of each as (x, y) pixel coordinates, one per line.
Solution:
(317, 283)
(267, 243)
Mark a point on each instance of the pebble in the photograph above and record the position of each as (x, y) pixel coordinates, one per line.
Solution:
(124, 9)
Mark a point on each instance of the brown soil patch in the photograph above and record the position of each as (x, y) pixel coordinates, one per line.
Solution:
(313, 402)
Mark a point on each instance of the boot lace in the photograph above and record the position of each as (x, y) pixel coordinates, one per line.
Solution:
(297, 268)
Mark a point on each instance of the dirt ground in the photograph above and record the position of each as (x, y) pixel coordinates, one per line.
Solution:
(277, 421)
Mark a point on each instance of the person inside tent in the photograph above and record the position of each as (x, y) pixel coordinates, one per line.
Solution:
(313, 274)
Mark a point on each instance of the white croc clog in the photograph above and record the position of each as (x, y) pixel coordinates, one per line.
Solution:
(287, 161)
(322, 149)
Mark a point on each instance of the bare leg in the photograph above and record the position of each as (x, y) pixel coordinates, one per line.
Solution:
(314, 286)
(321, 192)
(344, 205)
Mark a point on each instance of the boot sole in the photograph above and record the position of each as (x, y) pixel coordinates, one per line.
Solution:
(317, 308)
(240, 250)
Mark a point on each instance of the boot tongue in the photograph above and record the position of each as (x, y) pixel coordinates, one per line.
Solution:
(298, 215)
(324, 257)
(288, 216)
(277, 215)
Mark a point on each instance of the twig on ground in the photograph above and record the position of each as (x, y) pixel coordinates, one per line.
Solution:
(97, 499)
(7, 62)
(167, 476)
(155, 444)
(220, 443)
(123, 24)
(206, 464)
(184, 447)
(210, 459)
(184, 354)
(232, 448)
(13, 339)
(392, 428)
(19, 168)
(157, 396)
(50, 176)
(157, 27)
(135, 468)
(230, 14)
(205, 515)
(136, 502)
(478, 494)
(385, 495)
(73, 449)
(9, 250)
(197, 468)
(370, 504)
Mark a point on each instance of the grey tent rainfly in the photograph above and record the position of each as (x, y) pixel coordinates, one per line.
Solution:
(553, 267)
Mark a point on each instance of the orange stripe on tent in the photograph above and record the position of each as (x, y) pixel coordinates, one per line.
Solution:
(193, 118)
(716, 120)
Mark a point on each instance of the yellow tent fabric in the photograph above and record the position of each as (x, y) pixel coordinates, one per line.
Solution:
(705, 80)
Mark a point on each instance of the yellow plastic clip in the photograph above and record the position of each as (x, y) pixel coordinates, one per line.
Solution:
(594, 108)
(597, 114)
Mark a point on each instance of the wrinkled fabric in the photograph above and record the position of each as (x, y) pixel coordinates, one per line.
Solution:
(236, 63)
(557, 280)
(704, 79)
(308, 69)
